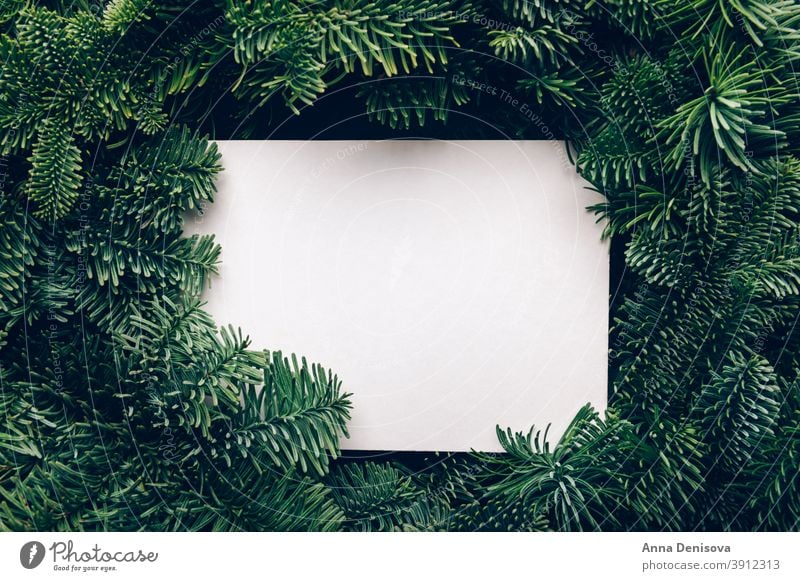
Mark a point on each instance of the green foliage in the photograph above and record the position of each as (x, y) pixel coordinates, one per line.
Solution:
(530, 11)
(119, 366)
(559, 88)
(546, 43)
(636, 18)
(118, 15)
(380, 497)
(666, 473)
(642, 91)
(755, 17)
(177, 170)
(299, 48)
(497, 514)
(725, 119)
(296, 418)
(777, 463)
(738, 408)
(575, 483)
(73, 78)
(399, 101)
(125, 406)
(20, 251)
(55, 177)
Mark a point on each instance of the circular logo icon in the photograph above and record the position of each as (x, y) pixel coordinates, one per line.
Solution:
(31, 554)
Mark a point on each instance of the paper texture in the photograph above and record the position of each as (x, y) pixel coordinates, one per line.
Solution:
(452, 286)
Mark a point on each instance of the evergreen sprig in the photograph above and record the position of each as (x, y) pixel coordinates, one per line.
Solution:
(124, 406)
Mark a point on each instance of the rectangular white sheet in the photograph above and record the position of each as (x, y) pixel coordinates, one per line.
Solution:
(452, 286)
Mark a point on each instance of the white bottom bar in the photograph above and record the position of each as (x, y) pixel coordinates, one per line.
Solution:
(406, 556)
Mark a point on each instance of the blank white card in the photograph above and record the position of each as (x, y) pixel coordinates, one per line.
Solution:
(452, 286)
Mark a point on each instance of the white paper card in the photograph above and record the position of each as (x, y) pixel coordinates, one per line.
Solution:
(452, 286)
